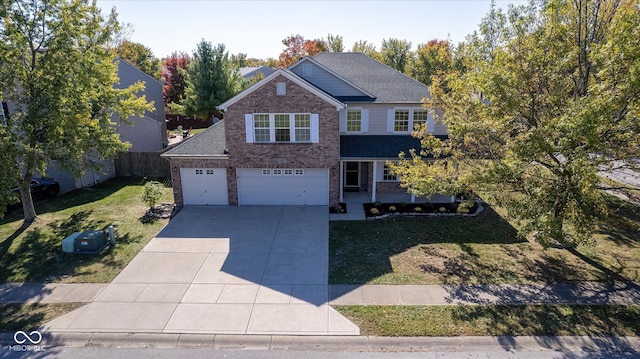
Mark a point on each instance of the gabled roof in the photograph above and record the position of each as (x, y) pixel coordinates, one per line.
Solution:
(211, 143)
(146, 76)
(374, 77)
(366, 95)
(250, 71)
(289, 75)
(378, 146)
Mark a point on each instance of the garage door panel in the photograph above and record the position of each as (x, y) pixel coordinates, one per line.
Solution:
(309, 188)
(204, 186)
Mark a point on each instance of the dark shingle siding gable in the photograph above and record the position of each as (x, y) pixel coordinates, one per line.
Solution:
(387, 84)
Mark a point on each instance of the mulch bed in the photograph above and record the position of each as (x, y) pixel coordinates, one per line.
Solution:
(373, 210)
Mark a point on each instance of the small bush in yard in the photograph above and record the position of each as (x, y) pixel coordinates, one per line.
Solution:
(374, 211)
(392, 208)
(418, 209)
(442, 209)
(151, 193)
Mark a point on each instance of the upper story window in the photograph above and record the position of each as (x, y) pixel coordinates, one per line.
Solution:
(261, 127)
(405, 120)
(281, 88)
(302, 127)
(354, 120)
(419, 119)
(282, 127)
(401, 121)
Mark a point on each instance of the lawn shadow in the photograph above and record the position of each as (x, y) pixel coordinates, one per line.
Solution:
(40, 258)
(361, 251)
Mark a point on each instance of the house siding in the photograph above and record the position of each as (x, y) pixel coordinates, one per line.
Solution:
(378, 118)
(153, 137)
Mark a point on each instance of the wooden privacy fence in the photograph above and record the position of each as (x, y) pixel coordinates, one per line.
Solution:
(142, 164)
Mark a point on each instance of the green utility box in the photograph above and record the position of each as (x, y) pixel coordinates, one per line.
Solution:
(90, 242)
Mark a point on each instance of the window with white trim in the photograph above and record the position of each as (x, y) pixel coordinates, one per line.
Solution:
(277, 172)
(266, 172)
(401, 120)
(209, 172)
(281, 89)
(288, 172)
(419, 119)
(302, 127)
(282, 125)
(199, 172)
(261, 127)
(387, 175)
(299, 172)
(354, 120)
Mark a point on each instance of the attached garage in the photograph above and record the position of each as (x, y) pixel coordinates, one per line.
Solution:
(283, 186)
(204, 186)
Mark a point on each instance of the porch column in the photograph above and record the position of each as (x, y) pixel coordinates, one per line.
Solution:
(373, 184)
(413, 198)
(341, 181)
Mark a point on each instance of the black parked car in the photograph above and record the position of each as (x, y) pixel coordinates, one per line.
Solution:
(40, 188)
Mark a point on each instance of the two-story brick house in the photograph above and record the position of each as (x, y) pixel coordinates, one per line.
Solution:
(305, 135)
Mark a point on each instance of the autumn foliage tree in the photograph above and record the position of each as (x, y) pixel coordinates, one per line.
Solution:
(434, 57)
(139, 56)
(173, 74)
(549, 98)
(297, 47)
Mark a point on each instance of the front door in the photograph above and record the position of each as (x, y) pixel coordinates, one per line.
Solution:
(352, 174)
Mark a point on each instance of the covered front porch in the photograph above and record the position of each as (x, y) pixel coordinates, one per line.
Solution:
(370, 180)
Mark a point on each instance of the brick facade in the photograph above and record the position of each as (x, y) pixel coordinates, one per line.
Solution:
(324, 154)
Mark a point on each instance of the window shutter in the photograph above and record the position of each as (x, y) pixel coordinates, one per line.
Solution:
(364, 120)
(248, 124)
(315, 128)
(343, 120)
(430, 123)
(391, 115)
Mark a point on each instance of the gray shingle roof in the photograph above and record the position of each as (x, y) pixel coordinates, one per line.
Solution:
(387, 84)
(211, 142)
(378, 146)
(251, 71)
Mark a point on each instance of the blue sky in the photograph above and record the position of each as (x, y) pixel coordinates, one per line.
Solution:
(258, 27)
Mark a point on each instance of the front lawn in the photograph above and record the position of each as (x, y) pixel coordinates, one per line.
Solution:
(537, 320)
(31, 316)
(479, 250)
(34, 254)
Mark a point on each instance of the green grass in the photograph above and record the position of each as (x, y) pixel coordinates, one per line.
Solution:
(481, 250)
(34, 254)
(537, 320)
(31, 316)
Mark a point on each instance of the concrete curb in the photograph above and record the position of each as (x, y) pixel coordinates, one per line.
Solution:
(598, 344)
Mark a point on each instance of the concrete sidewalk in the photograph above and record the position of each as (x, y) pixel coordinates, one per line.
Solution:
(513, 294)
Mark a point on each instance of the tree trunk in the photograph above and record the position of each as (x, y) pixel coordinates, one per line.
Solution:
(27, 201)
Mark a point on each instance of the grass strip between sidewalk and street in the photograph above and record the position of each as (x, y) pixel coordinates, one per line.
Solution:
(526, 320)
(21, 316)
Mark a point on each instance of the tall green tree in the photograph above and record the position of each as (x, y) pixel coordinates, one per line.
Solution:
(57, 69)
(366, 48)
(538, 113)
(139, 56)
(334, 43)
(434, 57)
(396, 53)
(211, 79)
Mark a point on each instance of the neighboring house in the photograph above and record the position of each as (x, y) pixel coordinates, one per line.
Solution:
(145, 134)
(252, 71)
(305, 135)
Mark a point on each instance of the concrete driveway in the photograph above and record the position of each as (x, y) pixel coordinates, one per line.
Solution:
(223, 270)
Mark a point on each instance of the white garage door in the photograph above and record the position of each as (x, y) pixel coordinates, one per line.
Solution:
(204, 186)
(283, 186)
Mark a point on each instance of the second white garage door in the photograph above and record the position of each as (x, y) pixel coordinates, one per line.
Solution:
(283, 186)
(204, 186)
